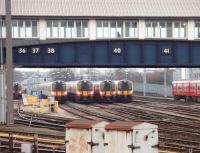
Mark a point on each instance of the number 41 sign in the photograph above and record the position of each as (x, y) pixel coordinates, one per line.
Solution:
(166, 51)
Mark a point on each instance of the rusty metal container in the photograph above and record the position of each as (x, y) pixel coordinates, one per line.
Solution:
(131, 137)
(85, 136)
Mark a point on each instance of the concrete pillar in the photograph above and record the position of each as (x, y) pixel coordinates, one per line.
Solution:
(42, 28)
(191, 30)
(92, 29)
(141, 29)
(2, 96)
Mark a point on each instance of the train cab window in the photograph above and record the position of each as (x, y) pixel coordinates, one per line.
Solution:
(58, 86)
(85, 85)
(125, 86)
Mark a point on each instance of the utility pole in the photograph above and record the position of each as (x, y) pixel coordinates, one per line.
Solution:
(9, 65)
(144, 81)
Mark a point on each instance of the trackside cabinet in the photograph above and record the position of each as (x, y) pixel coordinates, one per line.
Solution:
(131, 137)
(85, 136)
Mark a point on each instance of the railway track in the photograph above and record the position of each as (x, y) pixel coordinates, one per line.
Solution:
(178, 124)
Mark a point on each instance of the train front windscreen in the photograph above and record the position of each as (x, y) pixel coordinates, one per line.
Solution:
(107, 86)
(59, 86)
(125, 86)
(85, 86)
(17, 87)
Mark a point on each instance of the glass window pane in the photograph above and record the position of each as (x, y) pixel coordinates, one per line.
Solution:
(55, 29)
(183, 30)
(15, 29)
(155, 29)
(85, 29)
(49, 29)
(78, 29)
(163, 30)
(113, 29)
(169, 29)
(119, 29)
(127, 29)
(148, 29)
(28, 30)
(105, 29)
(62, 29)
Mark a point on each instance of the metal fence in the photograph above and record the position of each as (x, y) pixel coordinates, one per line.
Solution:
(154, 89)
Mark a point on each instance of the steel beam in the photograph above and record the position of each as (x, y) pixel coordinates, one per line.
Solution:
(9, 65)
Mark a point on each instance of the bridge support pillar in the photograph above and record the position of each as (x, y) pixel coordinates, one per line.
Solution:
(2, 96)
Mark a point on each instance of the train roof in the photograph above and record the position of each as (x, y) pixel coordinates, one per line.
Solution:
(183, 81)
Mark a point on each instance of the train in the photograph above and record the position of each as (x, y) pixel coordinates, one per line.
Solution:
(186, 90)
(86, 91)
(17, 91)
(58, 89)
(124, 90)
(80, 91)
(104, 91)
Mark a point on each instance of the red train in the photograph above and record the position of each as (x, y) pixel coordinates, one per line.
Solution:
(187, 90)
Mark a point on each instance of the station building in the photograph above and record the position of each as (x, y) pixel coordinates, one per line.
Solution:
(47, 20)
(51, 21)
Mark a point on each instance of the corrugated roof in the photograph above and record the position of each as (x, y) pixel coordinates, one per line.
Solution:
(112, 8)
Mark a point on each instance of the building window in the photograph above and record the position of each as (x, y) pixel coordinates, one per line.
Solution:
(24, 29)
(116, 29)
(3, 29)
(67, 29)
(180, 29)
(166, 29)
(197, 30)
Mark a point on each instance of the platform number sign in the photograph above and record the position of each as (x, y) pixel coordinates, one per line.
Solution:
(22, 50)
(117, 50)
(51, 50)
(35, 50)
(166, 51)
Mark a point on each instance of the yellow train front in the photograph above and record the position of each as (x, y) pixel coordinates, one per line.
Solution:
(56, 89)
(59, 91)
(106, 91)
(80, 91)
(124, 90)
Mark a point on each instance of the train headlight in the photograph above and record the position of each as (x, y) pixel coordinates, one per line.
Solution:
(131, 92)
(119, 92)
(91, 92)
(20, 92)
(53, 93)
(114, 92)
(65, 93)
(78, 93)
(102, 93)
